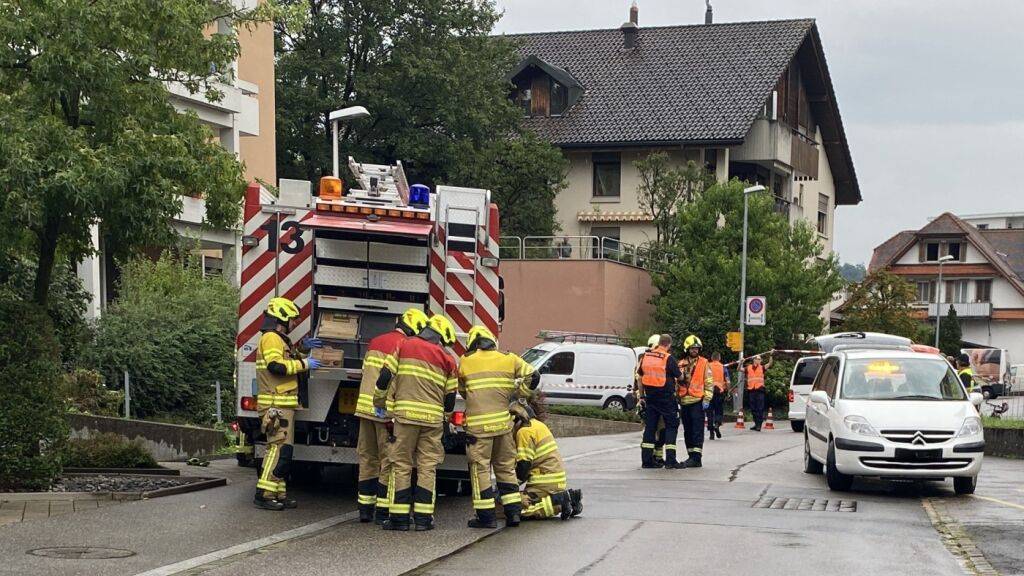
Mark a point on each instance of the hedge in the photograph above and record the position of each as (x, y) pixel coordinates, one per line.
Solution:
(107, 450)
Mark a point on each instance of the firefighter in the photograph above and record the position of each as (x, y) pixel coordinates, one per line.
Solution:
(755, 389)
(695, 393)
(659, 436)
(658, 373)
(374, 469)
(279, 368)
(420, 397)
(965, 372)
(487, 380)
(720, 377)
(540, 466)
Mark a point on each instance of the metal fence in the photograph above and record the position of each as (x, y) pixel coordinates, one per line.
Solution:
(1004, 407)
(579, 248)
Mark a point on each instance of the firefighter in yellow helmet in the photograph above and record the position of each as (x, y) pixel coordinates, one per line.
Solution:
(279, 368)
(374, 469)
(696, 387)
(540, 466)
(417, 385)
(641, 408)
(488, 381)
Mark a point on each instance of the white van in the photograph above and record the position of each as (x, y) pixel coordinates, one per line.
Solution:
(584, 374)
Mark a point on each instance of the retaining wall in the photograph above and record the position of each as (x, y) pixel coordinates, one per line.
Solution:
(166, 442)
(1008, 442)
(566, 426)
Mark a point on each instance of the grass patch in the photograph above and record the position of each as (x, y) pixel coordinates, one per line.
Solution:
(991, 422)
(107, 450)
(593, 412)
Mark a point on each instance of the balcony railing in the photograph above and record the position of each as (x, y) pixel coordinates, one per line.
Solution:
(963, 309)
(579, 248)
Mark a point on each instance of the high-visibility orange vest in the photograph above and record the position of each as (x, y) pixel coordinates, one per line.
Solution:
(695, 385)
(718, 375)
(755, 377)
(653, 368)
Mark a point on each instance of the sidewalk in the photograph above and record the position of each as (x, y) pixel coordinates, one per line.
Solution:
(21, 507)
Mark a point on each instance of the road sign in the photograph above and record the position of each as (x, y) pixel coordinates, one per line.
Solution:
(756, 307)
(734, 340)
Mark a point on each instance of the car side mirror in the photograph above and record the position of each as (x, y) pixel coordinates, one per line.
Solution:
(818, 397)
(976, 398)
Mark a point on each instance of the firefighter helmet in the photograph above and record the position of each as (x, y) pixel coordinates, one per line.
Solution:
(414, 319)
(521, 410)
(443, 326)
(282, 308)
(653, 341)
(477, 332)
(692, 342)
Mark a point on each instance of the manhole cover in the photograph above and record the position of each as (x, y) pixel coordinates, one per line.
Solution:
(812, 504)
(81, 553)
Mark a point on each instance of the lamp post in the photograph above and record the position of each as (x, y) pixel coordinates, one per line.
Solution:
(737, 400)
(938, 292)
(343, 115)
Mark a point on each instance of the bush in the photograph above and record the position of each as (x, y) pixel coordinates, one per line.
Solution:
(777, 383)
(107, 450)
(593, 412)
(85, 393)
(174, 330)
(31, 410)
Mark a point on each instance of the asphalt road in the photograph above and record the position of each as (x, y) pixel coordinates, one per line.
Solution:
(635, 522)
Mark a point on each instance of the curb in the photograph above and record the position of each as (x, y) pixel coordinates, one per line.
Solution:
(122, 471)
(201, 483)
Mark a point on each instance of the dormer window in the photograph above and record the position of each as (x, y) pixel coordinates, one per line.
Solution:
(542, 90)
(559, 98)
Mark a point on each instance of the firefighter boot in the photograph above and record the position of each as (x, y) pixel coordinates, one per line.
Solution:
(423, 522)
(288, 502)
(483, 519)
(397, 523)
(576, 498)
(564, 503)
(647, 458)
(513, 517)
(693, 461)
(366, 513)
(266, 503)
(380, 516)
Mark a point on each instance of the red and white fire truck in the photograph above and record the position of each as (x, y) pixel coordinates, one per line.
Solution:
(360, 256)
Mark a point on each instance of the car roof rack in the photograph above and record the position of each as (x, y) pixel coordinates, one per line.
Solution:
(867, 347)
(574, 337)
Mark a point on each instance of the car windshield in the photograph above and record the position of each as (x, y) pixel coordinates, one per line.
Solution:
(533, 355)
(806, 370)
(900, 379)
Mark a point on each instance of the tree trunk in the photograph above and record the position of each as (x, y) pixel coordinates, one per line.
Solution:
(47, 255)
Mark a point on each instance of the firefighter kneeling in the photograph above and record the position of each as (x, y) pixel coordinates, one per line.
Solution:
(540, 466)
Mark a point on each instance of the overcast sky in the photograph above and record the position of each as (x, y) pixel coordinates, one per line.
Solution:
(931, 93)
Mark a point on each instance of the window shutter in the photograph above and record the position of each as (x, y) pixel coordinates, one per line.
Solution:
(921, 251)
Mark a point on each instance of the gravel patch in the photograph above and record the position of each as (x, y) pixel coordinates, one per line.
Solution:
(117, 483)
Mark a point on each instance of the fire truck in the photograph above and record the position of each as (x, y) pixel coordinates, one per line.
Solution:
(353, 259)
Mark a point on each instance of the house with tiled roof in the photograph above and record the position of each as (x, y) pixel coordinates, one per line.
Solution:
(982, 278)
(752, 100)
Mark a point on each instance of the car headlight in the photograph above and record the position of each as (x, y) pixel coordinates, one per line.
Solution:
(859, 425)
(971, 427)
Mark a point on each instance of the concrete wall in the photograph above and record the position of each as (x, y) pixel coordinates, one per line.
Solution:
(1006, 442)
(166, 442)
(569, 426)
(576, 295)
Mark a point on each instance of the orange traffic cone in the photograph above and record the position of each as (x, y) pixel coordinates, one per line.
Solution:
(770, 424)
(739, 421)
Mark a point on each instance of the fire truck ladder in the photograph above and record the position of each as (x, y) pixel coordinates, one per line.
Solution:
(470, 273)
(380, 182)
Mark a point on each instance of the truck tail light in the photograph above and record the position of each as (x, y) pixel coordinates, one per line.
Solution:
(248, 403)
(459, 418)
(791, 396)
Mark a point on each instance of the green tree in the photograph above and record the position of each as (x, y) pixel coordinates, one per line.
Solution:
(699, 290)
(853, 272)
(665, 187)
(174, 331)
(882, 302)
(950, 334)
(89, 134)
(434, 81)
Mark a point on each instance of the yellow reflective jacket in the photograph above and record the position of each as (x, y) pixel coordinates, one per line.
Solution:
(280, 390)
(487, 380)
(535, 444)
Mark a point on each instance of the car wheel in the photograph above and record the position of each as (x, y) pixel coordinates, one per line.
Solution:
(835, 479)
(797, 425)
(616, 403)
(811, 466)
(965, 484)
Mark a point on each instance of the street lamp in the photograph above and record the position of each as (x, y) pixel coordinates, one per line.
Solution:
(737, 401)
(343, 115)
(938, 291)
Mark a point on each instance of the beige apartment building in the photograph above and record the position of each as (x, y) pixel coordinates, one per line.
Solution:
(243, 122)
(752, 100)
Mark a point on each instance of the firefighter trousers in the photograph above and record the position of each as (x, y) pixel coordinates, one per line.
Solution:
(279, 426)
(538, 502)
(417, 447)
(693, 427)
(374, 467)
(660, 407)
(716, 412)
(756, 399)
(499, 453)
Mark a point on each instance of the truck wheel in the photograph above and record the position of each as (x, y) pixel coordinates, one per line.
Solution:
(965, 484)
(616, 403)
(811, 466)
(835, 479)
(797, 425)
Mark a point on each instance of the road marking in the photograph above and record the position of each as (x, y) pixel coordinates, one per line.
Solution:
(216, 555)
(998, 501)
(597, 452)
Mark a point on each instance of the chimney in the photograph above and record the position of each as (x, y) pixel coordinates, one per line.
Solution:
(708, 15)
(629, 29)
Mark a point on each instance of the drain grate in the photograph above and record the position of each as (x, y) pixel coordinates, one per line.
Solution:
(811, 504)
(81, 553)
